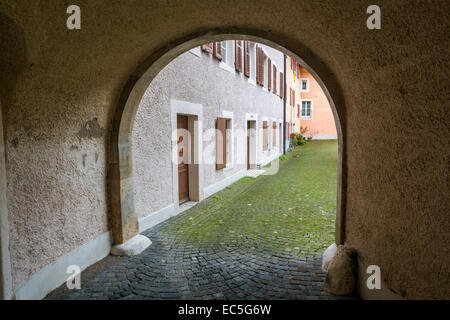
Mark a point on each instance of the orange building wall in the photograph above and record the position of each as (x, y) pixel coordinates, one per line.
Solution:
(322, 125)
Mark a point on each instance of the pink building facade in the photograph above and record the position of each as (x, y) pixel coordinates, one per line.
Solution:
(316, 117)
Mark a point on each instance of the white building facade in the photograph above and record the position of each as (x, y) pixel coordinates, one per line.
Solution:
(178, 155)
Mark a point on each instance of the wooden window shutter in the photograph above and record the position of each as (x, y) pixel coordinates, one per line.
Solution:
(298, 70)
(246, 59)
(282, 90)
(207, 47)
(262, 68)
(257, 65)
(293, 98)
(218, 50)
(238, 55)
(274, 79)
(298, 111)
(265, 136)
(221, 143)
(269, 75)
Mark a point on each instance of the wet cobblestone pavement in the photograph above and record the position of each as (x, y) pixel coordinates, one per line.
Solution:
(261, 238)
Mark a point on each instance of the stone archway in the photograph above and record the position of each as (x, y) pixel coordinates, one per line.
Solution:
(120, 171)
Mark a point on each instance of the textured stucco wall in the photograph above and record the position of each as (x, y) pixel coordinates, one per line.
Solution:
(201, 80)
(389, 87)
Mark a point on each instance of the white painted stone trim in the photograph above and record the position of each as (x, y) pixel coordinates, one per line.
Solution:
(155, 218)
(307, 84)
(229, 115)
(189, 109)
(197, 51)
(54, 275)
(216, 187)
(226, 67)
(312, 109)
(253, 117)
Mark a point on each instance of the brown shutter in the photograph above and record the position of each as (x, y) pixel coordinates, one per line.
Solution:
(218, 50)
(238, 55)
(274, 79)
(258, 69)
(282, 90)
(207, 47)
(246, 59)
(221, 143)
(262, 67)
(269, 75)
(257, 65)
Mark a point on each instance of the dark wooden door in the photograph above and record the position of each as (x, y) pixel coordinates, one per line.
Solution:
(183, 168)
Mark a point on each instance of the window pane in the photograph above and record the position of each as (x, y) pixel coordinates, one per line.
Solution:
(224, 51)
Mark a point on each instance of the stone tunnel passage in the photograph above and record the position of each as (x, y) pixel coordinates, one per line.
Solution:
(260, 238)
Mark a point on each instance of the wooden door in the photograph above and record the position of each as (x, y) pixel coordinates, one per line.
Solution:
(183, 168)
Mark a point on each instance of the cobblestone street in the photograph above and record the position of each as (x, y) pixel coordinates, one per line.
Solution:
(260, 238)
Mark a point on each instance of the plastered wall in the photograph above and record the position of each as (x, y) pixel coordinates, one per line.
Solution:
(389, 88)
(195, 77)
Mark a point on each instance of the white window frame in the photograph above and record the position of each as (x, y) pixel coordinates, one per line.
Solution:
(228, 115)
(224, 54)
(301, 111)
(252, 61)
(301, 85)
(226, 65)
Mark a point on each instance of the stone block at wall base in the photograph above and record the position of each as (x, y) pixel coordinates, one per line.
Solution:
(341, 275)
(132, 247)
(327, 256)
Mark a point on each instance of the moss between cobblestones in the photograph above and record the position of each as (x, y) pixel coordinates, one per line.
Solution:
(292, 211)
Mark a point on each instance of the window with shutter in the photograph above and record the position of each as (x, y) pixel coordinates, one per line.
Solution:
(265, 136)
(238, 55)
(257, 65)
(221, 144)
(246, 59)
(262, 67)
(274, 80)
(218, 50)
(269, 75)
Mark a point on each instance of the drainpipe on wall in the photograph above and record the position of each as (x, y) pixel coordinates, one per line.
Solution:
(284, 105)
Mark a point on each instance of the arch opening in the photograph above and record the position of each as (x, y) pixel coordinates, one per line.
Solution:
(121, 183)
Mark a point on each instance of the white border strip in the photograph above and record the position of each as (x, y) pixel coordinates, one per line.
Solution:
(216, 187)
(54, 275)
(156, 217)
